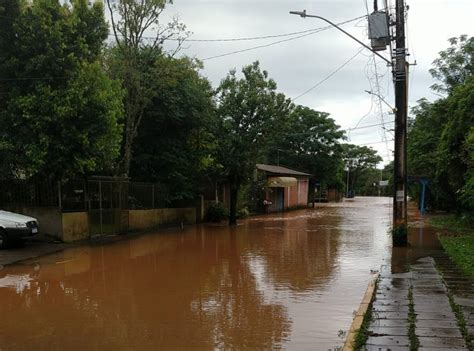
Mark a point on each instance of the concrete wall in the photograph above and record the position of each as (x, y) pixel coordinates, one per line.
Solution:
(49, 218)
(163, 217)
(75, 226)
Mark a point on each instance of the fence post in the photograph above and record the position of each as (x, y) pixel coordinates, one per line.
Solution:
(153, 196)
(59, 197)
(100, 207)
(84, 193)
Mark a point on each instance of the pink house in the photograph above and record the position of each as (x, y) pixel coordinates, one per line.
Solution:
(285, 189)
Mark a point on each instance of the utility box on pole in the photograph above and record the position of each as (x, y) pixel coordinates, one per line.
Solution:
(379, 33)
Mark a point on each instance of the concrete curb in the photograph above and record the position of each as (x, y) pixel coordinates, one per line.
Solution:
(359, 317)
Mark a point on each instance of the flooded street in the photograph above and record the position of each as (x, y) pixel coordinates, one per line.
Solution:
(288, 281)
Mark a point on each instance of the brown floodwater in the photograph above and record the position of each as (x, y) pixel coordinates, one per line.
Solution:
(290, 281)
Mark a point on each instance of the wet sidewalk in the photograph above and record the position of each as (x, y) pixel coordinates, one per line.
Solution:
(429, 307)
(29, 251)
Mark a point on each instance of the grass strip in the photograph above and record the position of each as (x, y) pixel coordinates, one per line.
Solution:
(453, 223)
(411, 326)
(461, 250)
(460, 320)
(457, 239)
(363, 332)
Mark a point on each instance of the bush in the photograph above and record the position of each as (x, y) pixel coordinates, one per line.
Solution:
(217, 212)
(243, 213)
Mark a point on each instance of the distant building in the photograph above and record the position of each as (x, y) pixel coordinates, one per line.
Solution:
(278, 189)
(285, 188)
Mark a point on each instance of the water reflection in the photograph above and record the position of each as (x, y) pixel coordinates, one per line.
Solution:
(422, 242)
(282, 281)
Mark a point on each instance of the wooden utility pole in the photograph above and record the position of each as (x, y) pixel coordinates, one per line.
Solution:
(400, 159)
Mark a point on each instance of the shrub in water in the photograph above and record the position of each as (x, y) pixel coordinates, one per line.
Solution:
(243, 213)
(217, 212)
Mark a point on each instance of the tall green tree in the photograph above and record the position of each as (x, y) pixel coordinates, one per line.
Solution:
(250, 112)
(174, 140)
(132, 22)
(310, 142)
(439, 141)
(454, 151)
(359, 160)
(60, 113)
(454, 65)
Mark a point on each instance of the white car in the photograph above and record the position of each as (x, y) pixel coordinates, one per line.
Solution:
(15, 227)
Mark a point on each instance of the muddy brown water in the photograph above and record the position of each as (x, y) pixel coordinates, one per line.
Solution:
(288, 281)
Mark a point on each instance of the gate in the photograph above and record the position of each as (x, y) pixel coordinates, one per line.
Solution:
(107, 204)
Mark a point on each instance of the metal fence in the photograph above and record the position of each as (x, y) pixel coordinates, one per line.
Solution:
(83, 195)
(34, 194)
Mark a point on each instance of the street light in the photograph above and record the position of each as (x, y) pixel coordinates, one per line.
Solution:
(394, 109)
(400, 73)
(304, 15)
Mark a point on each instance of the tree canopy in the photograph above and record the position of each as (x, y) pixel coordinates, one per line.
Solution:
(440, 136)
(174, 140)
(131, 20)
(250, 112)
(62, 111)
(310, 142)
(359, 160)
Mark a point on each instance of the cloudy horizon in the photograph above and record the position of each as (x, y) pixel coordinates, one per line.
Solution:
(297, 65)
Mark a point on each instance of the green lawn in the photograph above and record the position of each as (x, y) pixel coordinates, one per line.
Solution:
(457, 238)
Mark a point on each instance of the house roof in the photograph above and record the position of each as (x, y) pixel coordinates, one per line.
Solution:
(280, 170)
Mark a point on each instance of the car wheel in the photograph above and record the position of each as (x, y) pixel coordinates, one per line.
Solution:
(3, 239)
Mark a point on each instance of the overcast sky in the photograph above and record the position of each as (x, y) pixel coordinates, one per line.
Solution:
(299, 64)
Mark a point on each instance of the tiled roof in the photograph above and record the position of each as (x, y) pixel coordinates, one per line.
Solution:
(280, 170)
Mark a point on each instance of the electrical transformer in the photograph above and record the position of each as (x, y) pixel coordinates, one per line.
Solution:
(379, 33)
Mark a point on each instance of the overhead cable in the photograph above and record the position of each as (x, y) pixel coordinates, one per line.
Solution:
(330, 75)
(314, 31)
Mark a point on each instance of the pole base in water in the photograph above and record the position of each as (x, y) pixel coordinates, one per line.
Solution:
(399, 235)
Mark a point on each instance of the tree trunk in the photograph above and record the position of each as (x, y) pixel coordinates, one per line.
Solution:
(234, 191)
(124, 167)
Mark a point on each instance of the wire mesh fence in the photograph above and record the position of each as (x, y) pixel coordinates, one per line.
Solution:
(22, 193)
(83, 194)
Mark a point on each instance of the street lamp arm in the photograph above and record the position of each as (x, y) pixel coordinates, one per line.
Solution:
(394, 109)
(303, 14)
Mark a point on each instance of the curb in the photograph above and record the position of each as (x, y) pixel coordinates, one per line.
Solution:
(359, 317)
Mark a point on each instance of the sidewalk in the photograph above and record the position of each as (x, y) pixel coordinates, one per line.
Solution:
(30, 250)
(416, 309)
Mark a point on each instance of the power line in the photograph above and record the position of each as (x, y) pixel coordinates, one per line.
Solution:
(250, 38)
(376, 142)
(372, 125)
(280, 41)
(259, 46)
(330, 75)
(234, 39)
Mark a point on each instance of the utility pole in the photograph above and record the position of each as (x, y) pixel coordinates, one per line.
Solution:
(400, 160)
(380, 38)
